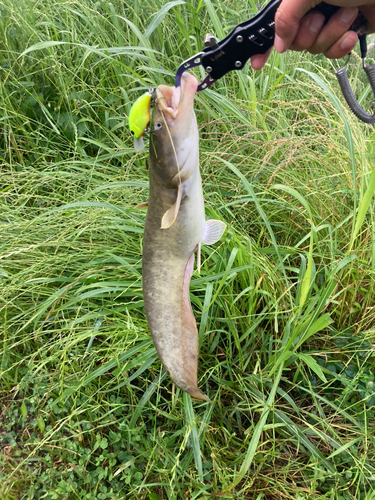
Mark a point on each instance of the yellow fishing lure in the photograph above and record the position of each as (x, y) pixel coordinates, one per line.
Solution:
(139, 118)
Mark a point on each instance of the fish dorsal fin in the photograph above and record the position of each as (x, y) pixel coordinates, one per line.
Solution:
(171, 215)
(213, 231)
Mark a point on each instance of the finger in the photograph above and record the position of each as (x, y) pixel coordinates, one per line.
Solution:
(343, 46)
(287, 21)
(259, 60)
(309, 30)
(336, 27)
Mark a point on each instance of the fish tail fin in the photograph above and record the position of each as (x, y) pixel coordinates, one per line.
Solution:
(197, 394)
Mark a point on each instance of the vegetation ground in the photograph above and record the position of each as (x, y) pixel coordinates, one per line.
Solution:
(285, 302)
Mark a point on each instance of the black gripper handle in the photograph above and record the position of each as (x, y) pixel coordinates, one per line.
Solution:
(249, 38)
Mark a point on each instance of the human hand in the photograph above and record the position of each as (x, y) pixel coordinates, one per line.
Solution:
(298, 31)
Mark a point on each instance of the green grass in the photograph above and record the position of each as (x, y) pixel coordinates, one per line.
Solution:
(285, 302)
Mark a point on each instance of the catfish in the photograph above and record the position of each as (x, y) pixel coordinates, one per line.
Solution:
(175, 228)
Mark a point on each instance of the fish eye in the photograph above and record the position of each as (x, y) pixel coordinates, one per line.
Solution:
(158, 126)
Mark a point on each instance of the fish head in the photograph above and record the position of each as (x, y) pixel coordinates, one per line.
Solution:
(174, 144)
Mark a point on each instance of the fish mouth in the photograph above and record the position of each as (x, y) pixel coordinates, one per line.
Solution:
(174, 101)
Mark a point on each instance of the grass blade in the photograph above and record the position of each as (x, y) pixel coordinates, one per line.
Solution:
(363, 208)
(191, 426)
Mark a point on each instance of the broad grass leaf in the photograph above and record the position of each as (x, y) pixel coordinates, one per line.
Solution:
(226, 273)
(41, 46)
(262, 213)
(311, 363)
(217, 276)
(258, 430)
(284, 356)
(190, 422)
(206, 309)
(340, 265)
(85, 204)
(295, 430)
(293, 192)
(218, 25)
(103, 52)
(120, 360)
(159, 16)
(146, 397)
(41, 424)
(147, 363)
(224, 106)
(116, 185)
(307, 278)
(153, 496)
(322, 322)
(23, 410)
(344, 447)
(49, 118)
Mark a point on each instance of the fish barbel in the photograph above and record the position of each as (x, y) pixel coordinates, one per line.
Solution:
(175, 228)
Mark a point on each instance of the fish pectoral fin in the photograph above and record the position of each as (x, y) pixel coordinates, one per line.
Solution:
(213, 231)
(141, 205)
(171, 215)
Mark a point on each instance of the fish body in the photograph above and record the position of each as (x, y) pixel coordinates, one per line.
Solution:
(175, 227)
